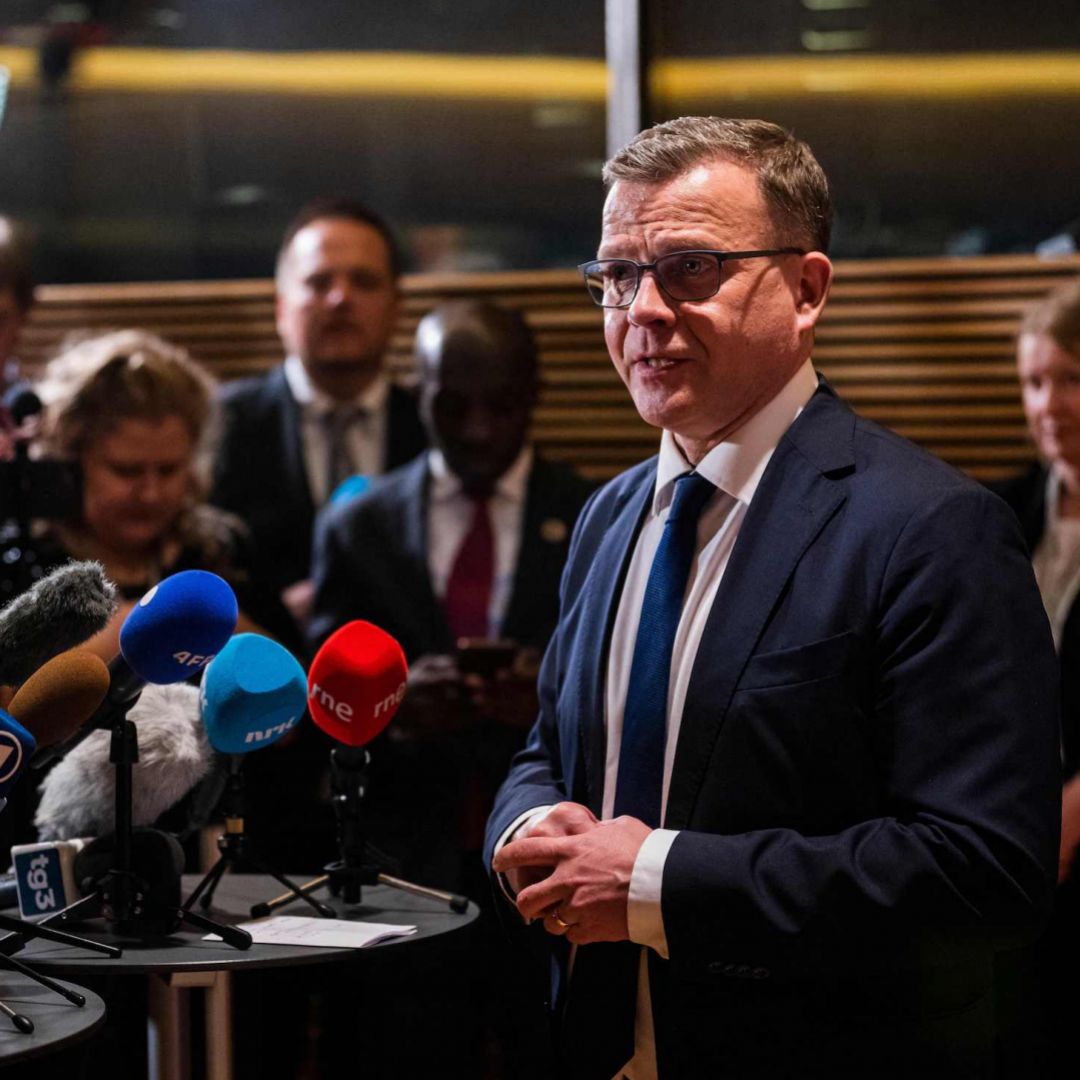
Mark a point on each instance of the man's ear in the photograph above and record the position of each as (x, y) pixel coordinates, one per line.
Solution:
(815, 277)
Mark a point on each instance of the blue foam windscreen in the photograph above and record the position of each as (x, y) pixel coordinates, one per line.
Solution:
(178, 627)
(253, 692)
(17, 746)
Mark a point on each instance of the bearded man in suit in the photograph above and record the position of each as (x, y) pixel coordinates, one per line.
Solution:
(292, 435)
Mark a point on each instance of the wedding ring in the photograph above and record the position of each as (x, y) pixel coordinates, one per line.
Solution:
(559, 921)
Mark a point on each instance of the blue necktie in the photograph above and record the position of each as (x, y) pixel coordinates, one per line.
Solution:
(641, 754)
(598, 1023)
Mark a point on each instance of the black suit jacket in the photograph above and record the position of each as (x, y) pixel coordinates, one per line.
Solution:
(260, 474)
(866, 780)
(371, 563)
(371, 560)
(1026, 494)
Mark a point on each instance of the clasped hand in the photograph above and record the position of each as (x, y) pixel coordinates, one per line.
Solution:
(573, 871)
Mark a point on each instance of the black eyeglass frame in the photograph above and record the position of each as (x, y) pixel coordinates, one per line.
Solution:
(640, 268)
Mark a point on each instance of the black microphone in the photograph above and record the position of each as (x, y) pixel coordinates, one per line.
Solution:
(22, 402)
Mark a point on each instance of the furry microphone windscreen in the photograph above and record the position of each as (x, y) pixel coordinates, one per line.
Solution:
(62, 610)
(77, 796)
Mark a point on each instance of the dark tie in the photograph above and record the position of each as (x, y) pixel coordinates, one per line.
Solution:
(641, 753)
(337, 423)
(468, 589)
(598, 1025)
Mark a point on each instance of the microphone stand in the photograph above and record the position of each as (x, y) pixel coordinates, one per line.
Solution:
(22, 928)
(348, 874)
(23, 1023)
(122, 896)
(236, 850)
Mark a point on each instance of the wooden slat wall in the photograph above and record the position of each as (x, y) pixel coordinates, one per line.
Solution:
(925, 346)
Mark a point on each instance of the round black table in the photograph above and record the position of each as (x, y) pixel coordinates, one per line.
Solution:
(185, 961)
(57, 1023)
(187, 951)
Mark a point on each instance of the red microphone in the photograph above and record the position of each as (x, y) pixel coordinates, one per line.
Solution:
(356, 683)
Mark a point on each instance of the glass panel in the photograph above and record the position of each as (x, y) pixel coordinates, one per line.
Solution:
(942, 127)
(183, 135)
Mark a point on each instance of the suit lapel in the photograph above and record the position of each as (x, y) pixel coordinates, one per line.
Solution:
(292, 447)
(797, 496)
(599, 604)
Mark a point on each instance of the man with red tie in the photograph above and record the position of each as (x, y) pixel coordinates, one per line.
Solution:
(467, 542)
(795, 772)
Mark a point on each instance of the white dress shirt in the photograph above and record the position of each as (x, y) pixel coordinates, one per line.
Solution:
(366, 438)
(450, 513)
(1057, 559)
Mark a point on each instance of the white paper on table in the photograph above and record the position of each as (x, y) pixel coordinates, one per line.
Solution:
(319, 933)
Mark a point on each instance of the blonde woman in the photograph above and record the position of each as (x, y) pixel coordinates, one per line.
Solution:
(137, 415)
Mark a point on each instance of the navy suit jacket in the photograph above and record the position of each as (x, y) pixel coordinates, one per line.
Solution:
(260, 474)
(866, 780)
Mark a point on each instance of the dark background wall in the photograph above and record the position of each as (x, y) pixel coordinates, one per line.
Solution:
(159, 179)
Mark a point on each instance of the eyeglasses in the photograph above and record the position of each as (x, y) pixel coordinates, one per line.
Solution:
(683, 275)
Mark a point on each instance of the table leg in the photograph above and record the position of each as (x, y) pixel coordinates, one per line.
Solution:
(219, 1030)
(169, 1008)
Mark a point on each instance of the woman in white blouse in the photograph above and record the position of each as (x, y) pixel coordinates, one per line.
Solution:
(1046, 500)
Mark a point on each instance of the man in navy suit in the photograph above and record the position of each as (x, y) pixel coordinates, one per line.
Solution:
(795, 771)
(329, 411)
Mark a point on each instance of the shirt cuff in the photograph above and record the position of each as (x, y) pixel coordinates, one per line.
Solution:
(523, 821)
(644, 919)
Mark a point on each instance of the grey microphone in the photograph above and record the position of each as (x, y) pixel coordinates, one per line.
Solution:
(78, 795)
(62, 610)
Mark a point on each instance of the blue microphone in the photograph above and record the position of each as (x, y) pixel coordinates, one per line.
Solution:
(178, 626)
(16, 747)
(253, 692)
(171, 634)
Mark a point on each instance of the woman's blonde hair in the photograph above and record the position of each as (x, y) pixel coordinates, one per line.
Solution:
(98, 382)
(1057, 315)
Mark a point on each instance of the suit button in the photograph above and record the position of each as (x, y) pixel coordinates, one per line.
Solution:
(760, 973)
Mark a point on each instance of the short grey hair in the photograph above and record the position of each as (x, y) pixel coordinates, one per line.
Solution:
(792, 182)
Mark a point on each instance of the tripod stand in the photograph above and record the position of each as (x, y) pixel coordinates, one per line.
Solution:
(346, 876)
(21, 928)
(123, 897)
(236, 850)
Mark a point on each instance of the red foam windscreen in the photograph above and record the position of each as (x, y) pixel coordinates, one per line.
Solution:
(356, 683)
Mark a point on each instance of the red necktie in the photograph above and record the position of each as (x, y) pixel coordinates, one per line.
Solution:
(468, 589)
